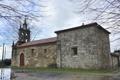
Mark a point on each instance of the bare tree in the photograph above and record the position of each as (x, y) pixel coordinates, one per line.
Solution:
(106, 12)
(12, 13)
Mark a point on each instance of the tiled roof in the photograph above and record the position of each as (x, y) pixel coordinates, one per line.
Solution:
(39, 42)
(83, 26)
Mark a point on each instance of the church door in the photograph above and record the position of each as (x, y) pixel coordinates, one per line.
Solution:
(22, 59)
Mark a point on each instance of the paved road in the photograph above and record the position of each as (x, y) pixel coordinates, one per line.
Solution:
(64, 76)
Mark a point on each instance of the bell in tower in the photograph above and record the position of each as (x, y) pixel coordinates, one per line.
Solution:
(24, 33)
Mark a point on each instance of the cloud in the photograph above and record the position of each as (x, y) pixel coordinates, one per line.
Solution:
(62, 15)
(57, 15)
(1, 37)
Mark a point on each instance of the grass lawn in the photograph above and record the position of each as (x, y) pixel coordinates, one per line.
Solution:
(65, 70)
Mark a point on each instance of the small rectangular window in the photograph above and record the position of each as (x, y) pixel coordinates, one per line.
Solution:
(32, 50)
(45, 50)
(74, 50)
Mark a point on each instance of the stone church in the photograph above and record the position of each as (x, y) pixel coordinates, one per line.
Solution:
(86, 46)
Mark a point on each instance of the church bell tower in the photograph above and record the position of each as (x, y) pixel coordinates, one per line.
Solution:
(24, 33)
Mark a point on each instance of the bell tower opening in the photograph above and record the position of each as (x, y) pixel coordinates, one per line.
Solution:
(24, 33)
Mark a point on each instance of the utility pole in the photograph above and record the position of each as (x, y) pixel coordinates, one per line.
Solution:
(4, 53)
(3, 56)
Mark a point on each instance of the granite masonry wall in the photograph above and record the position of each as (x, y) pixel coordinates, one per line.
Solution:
(86, 47)
(114, 62)
(93, 48)
(36, 56)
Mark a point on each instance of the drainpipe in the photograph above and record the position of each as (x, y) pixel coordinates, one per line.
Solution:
(60, 57)
(118, 61)
(59, 48)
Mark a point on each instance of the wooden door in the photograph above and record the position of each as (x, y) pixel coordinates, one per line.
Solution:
(21, 59)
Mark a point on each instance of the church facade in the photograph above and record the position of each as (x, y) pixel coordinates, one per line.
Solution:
(85, 46)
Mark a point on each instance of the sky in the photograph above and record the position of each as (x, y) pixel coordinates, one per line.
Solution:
(56, 15)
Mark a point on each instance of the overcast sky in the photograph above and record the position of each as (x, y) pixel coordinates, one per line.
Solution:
(58, 14)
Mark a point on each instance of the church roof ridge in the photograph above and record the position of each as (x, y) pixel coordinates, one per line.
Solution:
(83, 26)
(39, 42)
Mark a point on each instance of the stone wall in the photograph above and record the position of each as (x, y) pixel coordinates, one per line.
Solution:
(92, 44)
(103, 48)
(114, 62)
(36, 56)
(14, 57)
